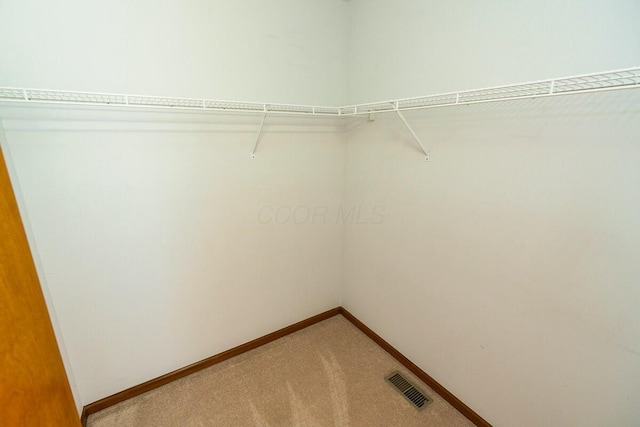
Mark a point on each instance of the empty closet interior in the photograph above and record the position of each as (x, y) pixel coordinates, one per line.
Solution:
(195, 174)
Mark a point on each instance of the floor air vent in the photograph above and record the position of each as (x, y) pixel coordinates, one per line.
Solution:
(408, 390)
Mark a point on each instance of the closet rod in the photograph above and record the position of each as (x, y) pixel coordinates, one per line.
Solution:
(627, 78)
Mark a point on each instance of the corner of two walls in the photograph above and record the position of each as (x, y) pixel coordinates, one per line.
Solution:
(133, 216)
(510, 254)
(506, 267)
(162, 242)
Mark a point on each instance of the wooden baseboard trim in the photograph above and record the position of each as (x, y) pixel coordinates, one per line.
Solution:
(195, 367)
(469, 413)
(210, 361)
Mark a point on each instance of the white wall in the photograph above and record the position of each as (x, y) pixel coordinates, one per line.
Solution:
(507, 266)
(277, 50)
(405, 48)
(156, 232)
(511, 253)
(287, 51)
(35, 254)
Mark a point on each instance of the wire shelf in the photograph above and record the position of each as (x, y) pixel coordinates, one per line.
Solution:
(427, 101)
(376, 107)
(332, 111)
(8, 93)
(347, 110)
(515, 91)
(279, 108)
(74, 97)
(154, 101)
(233, 106)
(609, 80)
(598, 81)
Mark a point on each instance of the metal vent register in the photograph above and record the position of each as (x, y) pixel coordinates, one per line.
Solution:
(408, 390)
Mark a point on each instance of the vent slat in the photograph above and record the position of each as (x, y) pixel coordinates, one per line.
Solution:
(408, 390)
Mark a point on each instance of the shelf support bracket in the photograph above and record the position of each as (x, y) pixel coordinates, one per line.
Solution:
(413, 134)
(255, 146)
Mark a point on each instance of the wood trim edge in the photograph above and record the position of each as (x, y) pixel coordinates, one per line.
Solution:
(197, 366)
(469, 413)
(84, 417)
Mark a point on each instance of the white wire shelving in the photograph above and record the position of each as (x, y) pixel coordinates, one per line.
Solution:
(47, 96)
(595, 82)
(627, 78)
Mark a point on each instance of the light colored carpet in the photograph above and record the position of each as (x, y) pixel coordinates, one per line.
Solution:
(329, 374)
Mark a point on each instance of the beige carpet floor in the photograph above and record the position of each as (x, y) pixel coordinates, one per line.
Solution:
(329, 374)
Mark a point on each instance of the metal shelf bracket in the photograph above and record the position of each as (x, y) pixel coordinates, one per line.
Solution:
(413, 134)
(255, 146)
